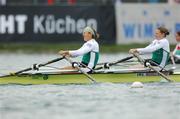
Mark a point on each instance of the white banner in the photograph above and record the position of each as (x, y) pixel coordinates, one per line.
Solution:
(136, 23)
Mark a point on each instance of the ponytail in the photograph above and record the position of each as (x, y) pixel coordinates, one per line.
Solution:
(163, 30)
(96, 35)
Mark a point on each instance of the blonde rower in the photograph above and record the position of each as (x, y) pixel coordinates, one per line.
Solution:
(89, 50)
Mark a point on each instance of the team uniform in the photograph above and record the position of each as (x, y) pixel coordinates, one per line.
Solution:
(160, 51)
(90, 52)
(176, 53)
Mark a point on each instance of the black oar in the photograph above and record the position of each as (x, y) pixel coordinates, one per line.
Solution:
(31, 68)
(91, 79)
(142, 61)
(106, 65)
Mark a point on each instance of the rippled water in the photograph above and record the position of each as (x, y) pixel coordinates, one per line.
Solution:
(97, 101)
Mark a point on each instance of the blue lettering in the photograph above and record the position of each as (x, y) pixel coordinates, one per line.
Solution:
(129, 30)
(148, 30)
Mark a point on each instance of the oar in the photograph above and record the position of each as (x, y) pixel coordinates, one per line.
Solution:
(91, 79)
(31, 68)
(142, 61)
(114, 63)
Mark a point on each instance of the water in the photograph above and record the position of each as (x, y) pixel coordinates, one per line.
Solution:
(97, 101)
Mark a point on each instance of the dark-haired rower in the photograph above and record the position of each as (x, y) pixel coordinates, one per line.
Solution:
(159, 48)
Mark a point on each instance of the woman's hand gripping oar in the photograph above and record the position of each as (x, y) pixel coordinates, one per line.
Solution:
(91, 79)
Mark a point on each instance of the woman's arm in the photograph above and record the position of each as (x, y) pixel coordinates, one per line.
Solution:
(135, 50)
(87, 47)
(150, 48)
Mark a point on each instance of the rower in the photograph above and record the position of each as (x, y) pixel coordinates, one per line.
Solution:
(159, 48)
(176, 52)
(89, 51)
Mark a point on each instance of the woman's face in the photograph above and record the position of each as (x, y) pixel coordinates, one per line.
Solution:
(158, 34)
(87, 36)
(177, 37)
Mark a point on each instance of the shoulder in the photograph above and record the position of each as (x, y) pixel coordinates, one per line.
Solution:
(93, 45)
(92, 42)
(89, 43)
(155, 41)
(164, 41)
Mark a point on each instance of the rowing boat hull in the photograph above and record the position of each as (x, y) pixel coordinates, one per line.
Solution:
(80, 78)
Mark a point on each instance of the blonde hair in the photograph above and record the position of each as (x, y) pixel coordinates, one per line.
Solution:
(89, 29)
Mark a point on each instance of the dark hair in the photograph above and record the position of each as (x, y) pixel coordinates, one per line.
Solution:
(178, 33)
(96, 35)
(163, 30)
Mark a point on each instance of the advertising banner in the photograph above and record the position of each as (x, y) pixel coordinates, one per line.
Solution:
(52, 24)
(137, 23)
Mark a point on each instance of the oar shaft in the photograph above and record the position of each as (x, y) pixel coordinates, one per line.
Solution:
(160, 73)
(52, 61)
(114, 63)
(30, 68)
(16, 73)
(122, 60)
(151, 67)
(91, 79)
(22, 71)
